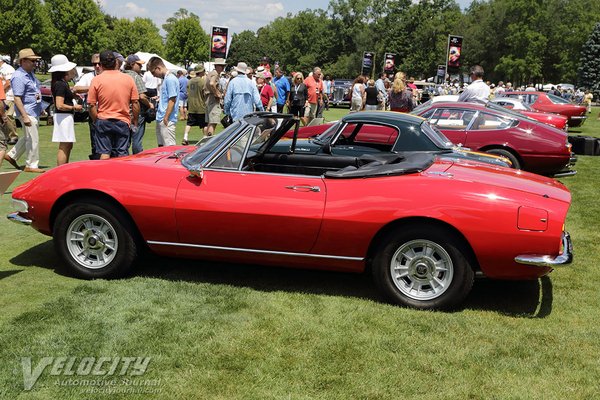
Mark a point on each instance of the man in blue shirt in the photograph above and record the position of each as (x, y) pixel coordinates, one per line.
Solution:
(183, 95)
(167, 111)
(283, 89)
(242, 95)
(28, 105)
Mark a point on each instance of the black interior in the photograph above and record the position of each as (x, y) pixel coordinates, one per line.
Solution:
(331, 166)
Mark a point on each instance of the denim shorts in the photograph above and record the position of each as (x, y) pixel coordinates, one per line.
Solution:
(112, 137)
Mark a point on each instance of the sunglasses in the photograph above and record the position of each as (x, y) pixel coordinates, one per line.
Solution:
(95, 64)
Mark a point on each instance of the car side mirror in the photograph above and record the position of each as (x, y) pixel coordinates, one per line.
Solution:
(197, 173)
(327, 148)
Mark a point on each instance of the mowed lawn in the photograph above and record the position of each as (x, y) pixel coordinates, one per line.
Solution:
(223, 331)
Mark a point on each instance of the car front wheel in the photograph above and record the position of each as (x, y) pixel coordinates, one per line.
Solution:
(95, 240)
(505, 153)
(424, 268)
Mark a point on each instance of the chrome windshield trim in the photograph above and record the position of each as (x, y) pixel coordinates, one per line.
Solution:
(279, 253)
(548, 261)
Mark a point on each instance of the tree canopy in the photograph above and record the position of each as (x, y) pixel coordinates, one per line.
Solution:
(518, 40)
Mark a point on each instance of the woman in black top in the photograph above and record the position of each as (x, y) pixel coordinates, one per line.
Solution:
(63, 71)
(371, 96)
(298, 97)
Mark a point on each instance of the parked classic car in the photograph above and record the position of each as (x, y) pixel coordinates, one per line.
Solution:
(421, 223)
(380, 132)
(550, 103)
(340, 93)
(556, 120)
(529, 145)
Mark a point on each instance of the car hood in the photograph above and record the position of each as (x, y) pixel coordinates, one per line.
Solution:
(508, 178)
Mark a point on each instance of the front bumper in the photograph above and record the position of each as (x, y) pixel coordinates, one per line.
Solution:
(548, 261)
(18, 219)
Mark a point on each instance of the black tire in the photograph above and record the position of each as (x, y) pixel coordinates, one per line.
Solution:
(444, 246)
(107, 243)
(505, 153)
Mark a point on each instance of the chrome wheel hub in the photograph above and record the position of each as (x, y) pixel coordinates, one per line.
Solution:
(421, 269)
(92, 241)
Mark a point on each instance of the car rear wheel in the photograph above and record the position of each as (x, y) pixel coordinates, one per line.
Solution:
(95, 240)
(423, 268)
(505, 153)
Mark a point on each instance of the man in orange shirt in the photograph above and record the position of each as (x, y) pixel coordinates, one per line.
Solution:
(314, 84)
(110, 95)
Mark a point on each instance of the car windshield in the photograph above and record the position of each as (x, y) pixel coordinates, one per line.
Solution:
(208, 144)
(557, 100)
(436, 136)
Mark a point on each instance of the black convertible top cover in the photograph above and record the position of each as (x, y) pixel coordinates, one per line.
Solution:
(385, 165)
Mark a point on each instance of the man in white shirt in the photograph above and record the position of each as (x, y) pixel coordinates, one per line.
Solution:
(6, 72)
(152, 83)
(478, 91)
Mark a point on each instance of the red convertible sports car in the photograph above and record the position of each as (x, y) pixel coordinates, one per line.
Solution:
(421, 223)
(550, 103)
(530, 145)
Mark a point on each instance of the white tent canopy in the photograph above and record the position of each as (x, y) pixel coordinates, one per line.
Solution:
(147, 56)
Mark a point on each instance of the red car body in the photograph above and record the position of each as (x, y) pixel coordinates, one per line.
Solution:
(545, 102)
(530, 145)
(511, 223)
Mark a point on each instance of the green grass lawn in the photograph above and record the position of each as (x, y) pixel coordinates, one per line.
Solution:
(223, 331)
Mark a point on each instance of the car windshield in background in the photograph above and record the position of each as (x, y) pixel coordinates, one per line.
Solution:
(417, 110)
(558, 100)
(436, 136)
(508, 111)
(326, 136)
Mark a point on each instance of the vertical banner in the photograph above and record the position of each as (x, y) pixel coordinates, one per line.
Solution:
(218, 42)
(454, 53)
(389, 66)
(367, 63)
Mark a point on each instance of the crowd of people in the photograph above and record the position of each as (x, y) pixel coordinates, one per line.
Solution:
(121, 99)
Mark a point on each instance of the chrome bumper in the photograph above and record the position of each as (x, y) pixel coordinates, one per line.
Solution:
(564, 173)
(548, 261)
(16, 218)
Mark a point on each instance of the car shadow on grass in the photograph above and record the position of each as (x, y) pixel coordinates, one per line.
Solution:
(528, 299)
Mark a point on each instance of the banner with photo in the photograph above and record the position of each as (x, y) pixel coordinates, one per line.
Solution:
(218, 42)
(389, 66)
(367, 63)
(454, 53)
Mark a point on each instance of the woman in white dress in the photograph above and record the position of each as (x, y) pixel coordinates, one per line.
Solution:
(63, 71)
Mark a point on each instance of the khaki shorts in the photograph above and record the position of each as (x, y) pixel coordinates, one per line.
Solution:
(312, 111)
(213, 112)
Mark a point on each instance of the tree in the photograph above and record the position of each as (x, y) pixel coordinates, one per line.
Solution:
(138, 35)
(77, 29)
(186, 40)
(24, 24)
(589, 63)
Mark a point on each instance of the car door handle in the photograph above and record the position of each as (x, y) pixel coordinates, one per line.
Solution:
(304, 188)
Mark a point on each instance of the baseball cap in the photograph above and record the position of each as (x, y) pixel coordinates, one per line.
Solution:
(134, 58)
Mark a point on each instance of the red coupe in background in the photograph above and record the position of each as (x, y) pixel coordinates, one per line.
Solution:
(422, 224)
(550, 103)
(529, 145)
